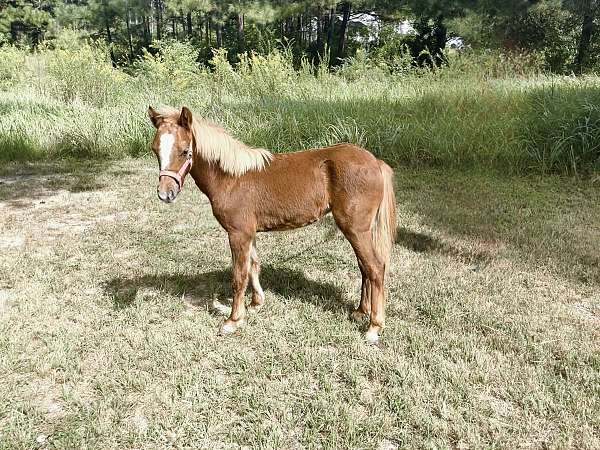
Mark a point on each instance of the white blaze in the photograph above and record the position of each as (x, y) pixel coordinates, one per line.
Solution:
(166, 146)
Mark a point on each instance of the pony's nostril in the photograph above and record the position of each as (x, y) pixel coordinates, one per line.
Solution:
(162, 195)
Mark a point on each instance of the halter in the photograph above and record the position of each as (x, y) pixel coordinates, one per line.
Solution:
(178, 176)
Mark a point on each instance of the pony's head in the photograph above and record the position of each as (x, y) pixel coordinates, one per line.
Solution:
(173, 146)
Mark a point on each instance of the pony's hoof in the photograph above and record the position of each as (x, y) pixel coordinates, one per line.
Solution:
(372, 337)
(254, 309)
(358, 316)
(228, 328)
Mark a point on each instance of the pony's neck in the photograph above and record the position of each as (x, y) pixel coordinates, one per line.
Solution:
(209, 177)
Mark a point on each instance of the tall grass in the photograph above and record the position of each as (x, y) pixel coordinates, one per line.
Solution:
(480, 111)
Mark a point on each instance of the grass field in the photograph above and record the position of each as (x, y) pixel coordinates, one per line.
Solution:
(110, 303)
(73, 103)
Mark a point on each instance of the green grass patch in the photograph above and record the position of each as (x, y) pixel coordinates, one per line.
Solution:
(73, 103)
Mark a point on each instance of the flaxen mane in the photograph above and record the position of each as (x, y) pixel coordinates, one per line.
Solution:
(215, 145)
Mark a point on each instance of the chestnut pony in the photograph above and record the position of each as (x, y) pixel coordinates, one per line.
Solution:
(252, 190)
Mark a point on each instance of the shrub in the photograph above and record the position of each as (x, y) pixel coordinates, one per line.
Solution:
(13, 65)
(562, 126)
(543, 29)
(83, 73)
(171, 69)
(482, 110)
(361, 66)
(393, 52)
(261, 75)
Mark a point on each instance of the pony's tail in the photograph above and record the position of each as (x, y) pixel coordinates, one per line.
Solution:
(383, 229)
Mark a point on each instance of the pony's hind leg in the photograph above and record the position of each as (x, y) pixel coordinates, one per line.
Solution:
(356, 226)
(364, 308)
(258, 296)
(240, 244)
(372, 295)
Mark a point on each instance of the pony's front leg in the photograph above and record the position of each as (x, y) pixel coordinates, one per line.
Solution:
(240, 244)
(258, 295)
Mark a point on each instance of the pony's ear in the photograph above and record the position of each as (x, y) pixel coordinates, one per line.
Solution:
(185, 118)
(155, 117)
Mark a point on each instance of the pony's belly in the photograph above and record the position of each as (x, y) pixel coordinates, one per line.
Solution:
(287, 221)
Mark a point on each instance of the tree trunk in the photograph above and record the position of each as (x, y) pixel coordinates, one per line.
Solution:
(241, 37)
(343, 29)
(189, 24)
(219, 35)
(158, 17)
(330, 23)
(587, 30)
(199, 27)
(440, 35)
(207, 29)
(319, 29)
(109, 35)
(129, 39)
(147, 32)
(14, 31)
(110, 46)
(174, 27)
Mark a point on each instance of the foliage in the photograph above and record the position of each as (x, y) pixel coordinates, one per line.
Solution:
(549, 30)
(171, 66)
(266, 75)
(393, 51)
(23, 20)
(331, 30)
(563, 132)
(13, 61)
(482, 109)
(360, 66)
(82, 73)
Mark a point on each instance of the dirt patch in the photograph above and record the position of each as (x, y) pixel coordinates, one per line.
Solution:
(14, 241)
(4, 300)
(46, 397)
(68, 225)
(589, 310)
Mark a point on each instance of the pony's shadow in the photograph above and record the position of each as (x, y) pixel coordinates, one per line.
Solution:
(203, 289)
(424, 243)
(21, 189)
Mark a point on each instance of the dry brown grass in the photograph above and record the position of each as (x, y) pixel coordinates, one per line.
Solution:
(110, 303)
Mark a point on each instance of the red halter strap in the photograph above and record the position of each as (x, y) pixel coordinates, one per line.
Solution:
(178, 176)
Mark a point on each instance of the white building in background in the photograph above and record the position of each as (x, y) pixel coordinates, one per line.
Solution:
(369, 23)
(405, 28)
(455, 43)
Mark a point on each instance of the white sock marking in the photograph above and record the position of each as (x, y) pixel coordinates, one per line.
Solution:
(254, 275)
(372, 337)
(256, 285)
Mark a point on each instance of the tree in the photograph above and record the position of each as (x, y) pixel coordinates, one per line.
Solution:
(27, 19)
(431, 27)
(587, 11)
(309, 27)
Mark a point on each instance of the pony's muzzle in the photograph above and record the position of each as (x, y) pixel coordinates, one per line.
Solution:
(167, 189)
(168, 195)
